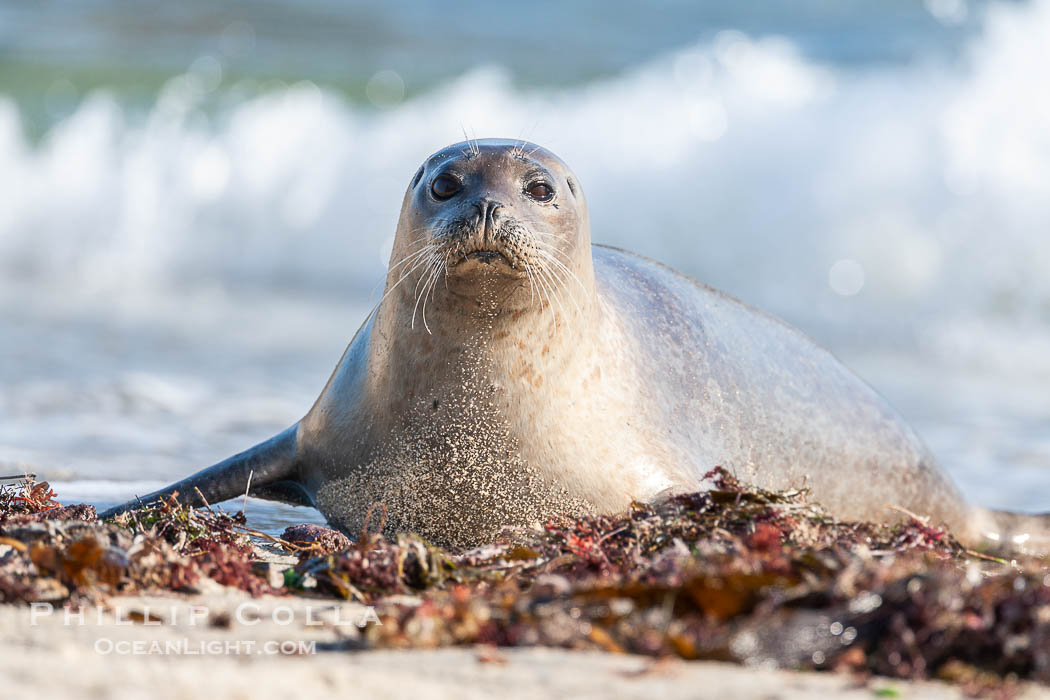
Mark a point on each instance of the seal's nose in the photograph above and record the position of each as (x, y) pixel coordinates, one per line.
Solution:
(489, 209)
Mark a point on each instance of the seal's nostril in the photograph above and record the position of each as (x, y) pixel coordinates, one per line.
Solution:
(489, 211)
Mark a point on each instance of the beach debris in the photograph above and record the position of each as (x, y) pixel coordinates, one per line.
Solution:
(733, 574)
(317, 538)
(736, 573)
(54, 553)
(24, 496)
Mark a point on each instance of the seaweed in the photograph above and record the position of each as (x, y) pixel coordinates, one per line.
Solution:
(736, 573)
(320, 540)
(733, 574)
(50, 552)
(29, 498)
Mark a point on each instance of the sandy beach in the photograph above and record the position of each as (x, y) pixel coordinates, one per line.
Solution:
(107, 655)
(185, 603)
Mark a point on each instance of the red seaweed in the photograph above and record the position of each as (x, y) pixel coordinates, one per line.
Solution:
(735, 573)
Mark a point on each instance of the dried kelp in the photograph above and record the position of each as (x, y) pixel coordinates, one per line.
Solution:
(50, 552)
(734, 573)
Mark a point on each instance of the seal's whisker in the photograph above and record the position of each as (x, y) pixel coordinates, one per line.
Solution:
(425, 276)
(433, 283)
(472, 143)
(562, 256)
(563, 276)
(427, 227)
(407, 258)
(550, 301)
(564, 267)
(424, 240)
(561, 264)
(416, 266)
(556, 288)
(532, 285)
(428, 230)
(558, 251)
(548, 244)
(545, 285)
(416, 260)
(469, 153)
(545, 234)
(552, 245)
(550, 235)
(549, 290)
(541, 290)
(440, 268)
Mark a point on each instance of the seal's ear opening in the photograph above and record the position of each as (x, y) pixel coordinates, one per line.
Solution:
(572, 185)
(415, 179)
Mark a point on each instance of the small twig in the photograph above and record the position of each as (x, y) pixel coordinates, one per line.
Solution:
(513, 566)
(925, 520)
(987, 557)
(131, 516)
(17, 544)
(277, 540)
(610, 534)
(18, 478)
(205, 500)
(244, 504)
(352, 589)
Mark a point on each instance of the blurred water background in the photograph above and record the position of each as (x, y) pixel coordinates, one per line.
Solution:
(198, 200)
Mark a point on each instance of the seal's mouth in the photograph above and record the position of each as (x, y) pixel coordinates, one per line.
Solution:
(471, 247)
(488, 257)
(484, 262)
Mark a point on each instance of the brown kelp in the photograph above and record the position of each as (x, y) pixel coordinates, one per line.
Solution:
(734, 573)
(55, 553)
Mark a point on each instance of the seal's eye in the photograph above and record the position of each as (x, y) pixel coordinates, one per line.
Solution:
(444, 186)
(540, 191)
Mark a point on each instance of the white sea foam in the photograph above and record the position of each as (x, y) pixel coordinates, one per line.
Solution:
(740, 161)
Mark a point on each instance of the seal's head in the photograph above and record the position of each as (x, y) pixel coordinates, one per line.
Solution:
(498, 219)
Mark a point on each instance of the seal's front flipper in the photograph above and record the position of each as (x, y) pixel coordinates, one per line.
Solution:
(272, 465)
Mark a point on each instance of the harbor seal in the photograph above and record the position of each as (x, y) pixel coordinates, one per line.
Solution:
(513, 370)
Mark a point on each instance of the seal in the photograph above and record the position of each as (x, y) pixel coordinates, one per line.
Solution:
(513, 370)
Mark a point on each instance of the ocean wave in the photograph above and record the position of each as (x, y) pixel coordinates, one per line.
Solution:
(885, 200)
